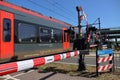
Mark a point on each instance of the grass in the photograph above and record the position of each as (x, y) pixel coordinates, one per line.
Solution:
(71, 70)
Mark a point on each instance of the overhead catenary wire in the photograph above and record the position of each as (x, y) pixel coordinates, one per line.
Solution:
(50, 10)
(59, 6)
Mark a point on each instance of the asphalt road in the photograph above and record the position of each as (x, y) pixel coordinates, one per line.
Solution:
(35, 75)
(74, 60)
(90, 60)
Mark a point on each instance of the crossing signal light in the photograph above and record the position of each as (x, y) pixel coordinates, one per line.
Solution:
(91, 29)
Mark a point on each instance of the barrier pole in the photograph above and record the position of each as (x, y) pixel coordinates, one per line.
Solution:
(28, 64)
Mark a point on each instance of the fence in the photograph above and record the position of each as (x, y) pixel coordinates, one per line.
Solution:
(117, 61)
(104, 61)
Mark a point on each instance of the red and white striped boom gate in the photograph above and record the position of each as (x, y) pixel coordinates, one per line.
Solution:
(104, 60)
(27, 64)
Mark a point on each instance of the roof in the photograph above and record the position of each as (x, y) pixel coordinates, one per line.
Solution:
(110, 31)
(33, 13)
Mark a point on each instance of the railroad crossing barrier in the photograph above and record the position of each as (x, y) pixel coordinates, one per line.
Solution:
(27, 64)
(104, 60)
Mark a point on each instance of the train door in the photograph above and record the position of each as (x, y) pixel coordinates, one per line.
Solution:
(66, 39)
(6, 34)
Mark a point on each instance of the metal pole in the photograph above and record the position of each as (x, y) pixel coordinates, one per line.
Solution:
(99, 32)
(97, 64)
(81, 66)
(79, 21)
(113, 62)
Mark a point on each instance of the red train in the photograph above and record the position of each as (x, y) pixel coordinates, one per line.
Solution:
(27, 34)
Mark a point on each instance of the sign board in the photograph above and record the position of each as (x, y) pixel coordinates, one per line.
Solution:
(104, 60)
(104, 52)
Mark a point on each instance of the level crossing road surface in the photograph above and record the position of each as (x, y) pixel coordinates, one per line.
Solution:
(34, 74)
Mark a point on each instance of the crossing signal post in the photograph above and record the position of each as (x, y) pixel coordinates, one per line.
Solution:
(81, 66)
(79, 21)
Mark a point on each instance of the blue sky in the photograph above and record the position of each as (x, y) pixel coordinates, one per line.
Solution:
(65, 10)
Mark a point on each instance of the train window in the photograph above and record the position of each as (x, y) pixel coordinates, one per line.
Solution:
(65, 36)
(45, 34)
(27, 33)
(7, 30)
(57, 35)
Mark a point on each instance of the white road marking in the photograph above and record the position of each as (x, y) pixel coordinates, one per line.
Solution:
(30, 71)
(7, 77)
(23, 73)
(18, 74)
(73, 63)
(77, 64)
(67, 63)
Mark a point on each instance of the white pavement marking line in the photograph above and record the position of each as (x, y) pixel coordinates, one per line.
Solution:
(23, 73)
(74, 63)
(77, 64)
(66, 63)
(18, 74)
(30, 71)
(7, 77)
